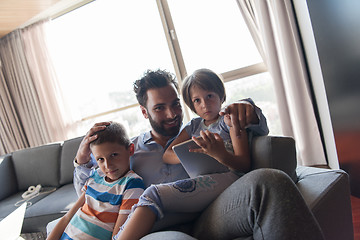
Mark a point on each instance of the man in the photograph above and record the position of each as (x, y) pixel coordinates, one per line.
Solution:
(261, 215)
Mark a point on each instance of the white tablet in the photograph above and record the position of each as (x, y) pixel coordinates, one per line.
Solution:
(197, 164)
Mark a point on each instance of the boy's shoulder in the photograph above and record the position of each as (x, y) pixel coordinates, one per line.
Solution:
(131, 174)
(132, 180)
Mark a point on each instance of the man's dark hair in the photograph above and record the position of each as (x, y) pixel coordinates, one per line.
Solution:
(152, 79)
(113, 133)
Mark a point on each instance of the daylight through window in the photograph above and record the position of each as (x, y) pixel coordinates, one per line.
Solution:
(100, 49)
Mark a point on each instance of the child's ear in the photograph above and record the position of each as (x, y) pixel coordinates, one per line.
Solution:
(131, 149)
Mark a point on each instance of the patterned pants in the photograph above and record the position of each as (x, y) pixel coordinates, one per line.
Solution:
(187, 195)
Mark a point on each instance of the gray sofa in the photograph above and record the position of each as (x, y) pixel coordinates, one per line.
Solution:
(49, 165)
(325, 191)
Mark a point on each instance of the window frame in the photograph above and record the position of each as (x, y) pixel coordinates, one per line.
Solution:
(178, 60)
(176, 56)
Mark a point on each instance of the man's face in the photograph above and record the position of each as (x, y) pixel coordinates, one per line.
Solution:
(164, 111)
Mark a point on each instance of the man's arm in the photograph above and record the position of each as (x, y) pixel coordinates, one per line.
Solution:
(83, 161)
(245, 114)
(82, 173)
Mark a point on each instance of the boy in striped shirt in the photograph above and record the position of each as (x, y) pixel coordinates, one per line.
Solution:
(108, 194)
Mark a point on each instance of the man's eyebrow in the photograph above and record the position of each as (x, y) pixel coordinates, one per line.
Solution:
(159, 105)
(163, 104)
(177, 100)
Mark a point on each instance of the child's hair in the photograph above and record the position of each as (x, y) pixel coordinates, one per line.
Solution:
(205, 79)
(113, 133)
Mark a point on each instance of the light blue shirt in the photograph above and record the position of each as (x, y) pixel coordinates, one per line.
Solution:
(147, 162)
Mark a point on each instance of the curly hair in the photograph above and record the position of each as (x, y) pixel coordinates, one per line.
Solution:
(152, 79)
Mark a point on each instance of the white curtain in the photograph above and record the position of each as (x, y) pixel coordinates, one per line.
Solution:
(45, 80)
(11, 131)
(273, 27)
(31, 110)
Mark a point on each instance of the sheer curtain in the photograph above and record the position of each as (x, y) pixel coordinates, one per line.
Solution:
(31, 106)
(273, 27)
(45, 81)
(12, 134)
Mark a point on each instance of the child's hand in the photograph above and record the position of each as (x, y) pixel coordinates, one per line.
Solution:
(227, 120)
(211, 144)
(239, 115)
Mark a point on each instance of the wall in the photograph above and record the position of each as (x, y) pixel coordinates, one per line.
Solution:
(336, 29)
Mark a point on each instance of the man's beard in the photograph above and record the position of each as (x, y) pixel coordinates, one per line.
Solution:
(160, 129)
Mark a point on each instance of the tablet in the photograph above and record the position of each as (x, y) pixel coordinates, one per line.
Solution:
(195, 163)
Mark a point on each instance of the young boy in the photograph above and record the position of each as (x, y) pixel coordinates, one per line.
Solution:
(108, 194)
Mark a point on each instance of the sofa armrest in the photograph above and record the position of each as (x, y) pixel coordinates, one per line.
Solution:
(327, 193)
(8, 183)
(274, 152)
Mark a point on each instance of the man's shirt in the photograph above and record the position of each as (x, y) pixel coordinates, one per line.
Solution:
(147, 162)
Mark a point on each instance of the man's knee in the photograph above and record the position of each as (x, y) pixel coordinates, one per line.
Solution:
(151, 199)
(258, 184)
(269, 185)
(267, 177)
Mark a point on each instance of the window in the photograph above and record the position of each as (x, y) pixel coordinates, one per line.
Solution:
(100, 49)
(260, 88)
(213, 34)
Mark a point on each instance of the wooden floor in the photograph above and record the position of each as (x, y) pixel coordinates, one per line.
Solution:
(355, 203)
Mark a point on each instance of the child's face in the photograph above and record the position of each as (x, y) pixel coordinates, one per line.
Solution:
(207, 104)
(113, 159)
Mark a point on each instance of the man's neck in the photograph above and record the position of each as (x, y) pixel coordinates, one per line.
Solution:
(160, 139)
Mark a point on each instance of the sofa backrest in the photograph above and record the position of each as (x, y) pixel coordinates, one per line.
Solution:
(50, 165)
(37, 165)
(68, 153)
(8, 180)
(274, 152)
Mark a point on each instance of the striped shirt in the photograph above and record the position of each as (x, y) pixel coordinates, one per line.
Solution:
(104, 201)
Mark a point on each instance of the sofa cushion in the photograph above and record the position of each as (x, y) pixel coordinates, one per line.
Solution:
(38, 165)
(51, 207)
(7, 172)
(7, 205)
(68, 154)
(274, 152)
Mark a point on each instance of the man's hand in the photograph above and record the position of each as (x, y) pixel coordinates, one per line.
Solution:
(239, 115)
(83, 153)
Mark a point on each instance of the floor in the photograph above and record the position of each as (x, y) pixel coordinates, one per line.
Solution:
(355, 203)
(33, 236)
